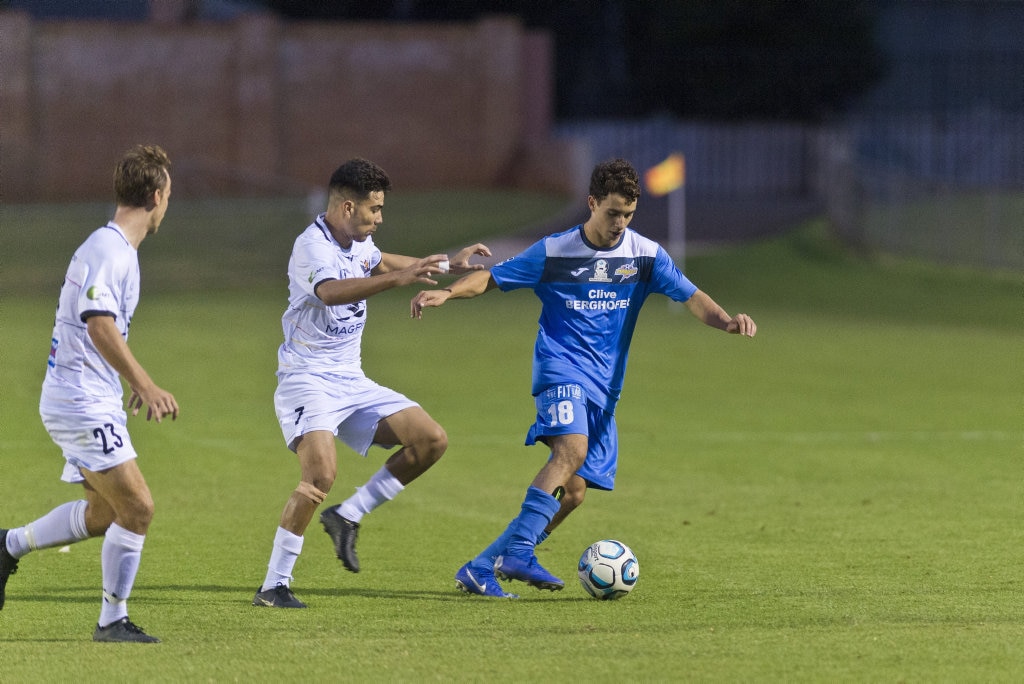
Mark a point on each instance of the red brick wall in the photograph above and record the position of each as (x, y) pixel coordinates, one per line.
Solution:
(261, 106)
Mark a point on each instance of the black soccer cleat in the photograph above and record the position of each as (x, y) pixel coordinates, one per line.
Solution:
(280, 596)
(8, 566)
(123, 631)
(343, 533)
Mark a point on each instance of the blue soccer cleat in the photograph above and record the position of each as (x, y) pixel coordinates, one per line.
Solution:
(529, 571)
(480, 581)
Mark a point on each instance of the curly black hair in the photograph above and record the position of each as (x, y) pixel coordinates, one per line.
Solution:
(615, 176)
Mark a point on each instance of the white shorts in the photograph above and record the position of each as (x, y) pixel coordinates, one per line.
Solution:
(349, 406)
(92, 433)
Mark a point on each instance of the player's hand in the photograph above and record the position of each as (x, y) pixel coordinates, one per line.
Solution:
(427, 298)
(160, 402)
(460, 262)
(421, 270)
(742, 324)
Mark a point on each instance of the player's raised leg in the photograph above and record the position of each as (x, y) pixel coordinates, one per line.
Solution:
(423, 443)
(64, 525)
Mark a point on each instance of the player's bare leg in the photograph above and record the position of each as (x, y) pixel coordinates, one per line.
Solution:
(575, 491)
(122, 490)
(568, 452)
(318, 467)
(423, 443)
(318, 462)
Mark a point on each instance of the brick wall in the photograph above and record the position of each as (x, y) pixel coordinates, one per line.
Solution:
(262, 106)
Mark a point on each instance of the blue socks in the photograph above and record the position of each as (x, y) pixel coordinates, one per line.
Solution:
(525, 531)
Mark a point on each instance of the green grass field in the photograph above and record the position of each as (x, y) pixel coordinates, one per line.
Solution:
(839, 499)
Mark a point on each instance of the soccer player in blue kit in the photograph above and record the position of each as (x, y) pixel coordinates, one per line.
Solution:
(592, 281)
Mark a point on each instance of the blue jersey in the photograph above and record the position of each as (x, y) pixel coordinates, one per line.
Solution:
(591, 299)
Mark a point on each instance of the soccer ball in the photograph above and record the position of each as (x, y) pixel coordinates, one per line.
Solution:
(608, 569)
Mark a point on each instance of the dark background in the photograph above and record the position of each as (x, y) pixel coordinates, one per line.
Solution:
(800, 60)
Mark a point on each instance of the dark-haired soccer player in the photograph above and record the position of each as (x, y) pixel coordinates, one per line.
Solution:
(322, 393)
(592, 281)
(82, 403)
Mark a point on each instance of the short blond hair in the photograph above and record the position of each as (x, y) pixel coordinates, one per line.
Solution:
(143, 170)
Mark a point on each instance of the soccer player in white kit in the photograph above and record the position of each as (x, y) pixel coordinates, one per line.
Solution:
(322, 392)
(82, 403)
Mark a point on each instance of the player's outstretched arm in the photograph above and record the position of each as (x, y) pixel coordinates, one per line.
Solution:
(469, 285)
(393, 271)
(710, 313)
(111, 345)
(460, 262)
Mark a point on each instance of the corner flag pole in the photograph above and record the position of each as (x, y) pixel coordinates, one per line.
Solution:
(669, 178)
(677, 224)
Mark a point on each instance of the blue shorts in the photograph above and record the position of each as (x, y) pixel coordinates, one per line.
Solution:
(565, 410)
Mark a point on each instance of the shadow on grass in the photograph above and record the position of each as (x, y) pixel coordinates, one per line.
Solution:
(150, 594)
(354, 592)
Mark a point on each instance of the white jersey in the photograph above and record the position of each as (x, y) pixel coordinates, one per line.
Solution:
(320, 338)
(102, 279)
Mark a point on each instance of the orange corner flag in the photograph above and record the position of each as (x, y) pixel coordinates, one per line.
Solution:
(664, 177)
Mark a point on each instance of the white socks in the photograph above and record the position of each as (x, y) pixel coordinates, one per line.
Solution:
(383, 486)
(287, 547)
(120, 556)
(65, 524)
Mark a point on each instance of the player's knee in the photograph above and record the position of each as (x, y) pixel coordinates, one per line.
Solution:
(311, 492)
(574, 492)
(136, 513)
(320, 476)
(572, 499)
(431, 444)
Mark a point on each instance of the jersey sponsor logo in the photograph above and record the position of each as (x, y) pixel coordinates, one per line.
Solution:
(357, 310)
(600, 272)
(576, 273)
(345, 325)
(92, 293)
(313, 274)
(52, 361)
(598, 300)
(563, 392)
(344, 329)
(626, 271)
(366, 266)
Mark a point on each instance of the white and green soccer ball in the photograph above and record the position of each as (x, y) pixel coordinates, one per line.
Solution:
(608, 569)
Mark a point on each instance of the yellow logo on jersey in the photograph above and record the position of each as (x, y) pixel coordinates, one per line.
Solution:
(627, 271)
